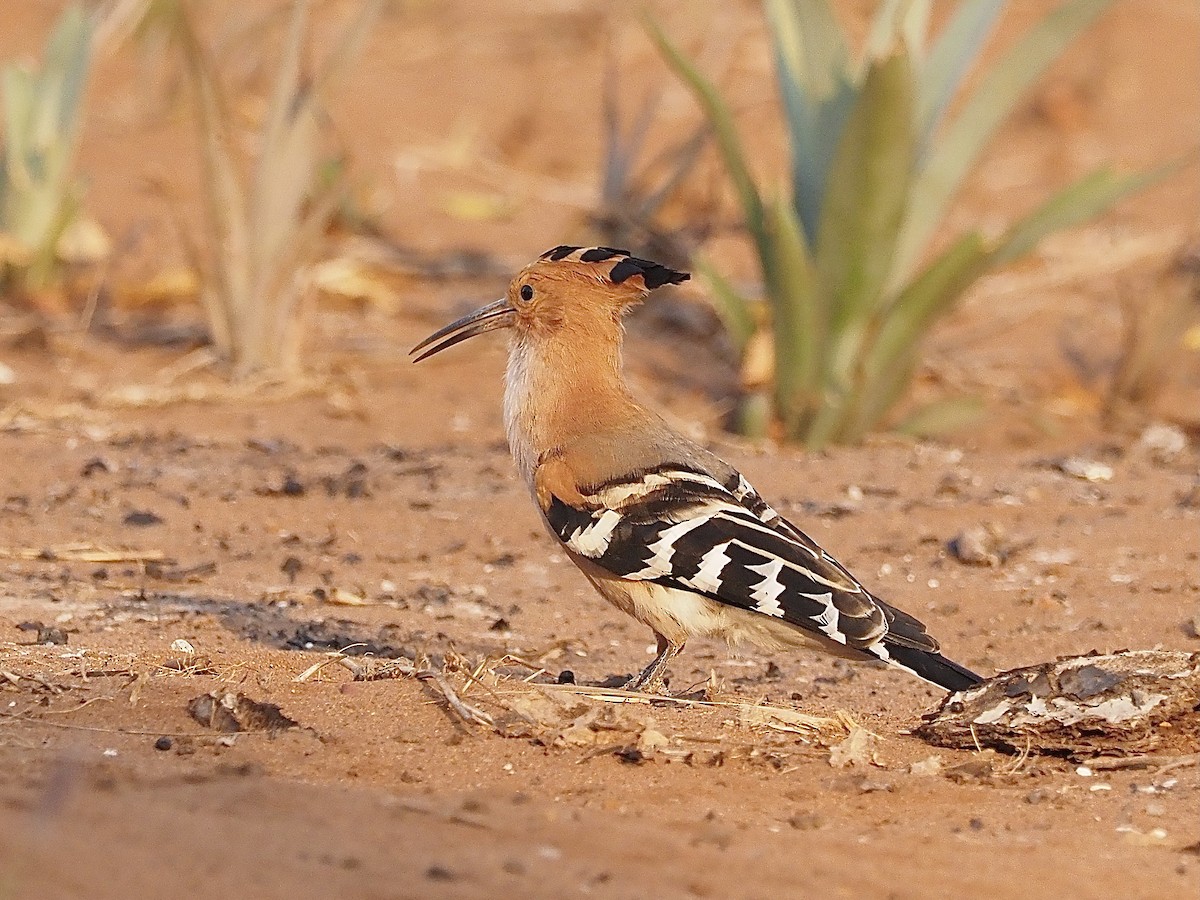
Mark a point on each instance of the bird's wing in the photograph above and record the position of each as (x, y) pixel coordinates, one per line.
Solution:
(683, 528)
(902, 629)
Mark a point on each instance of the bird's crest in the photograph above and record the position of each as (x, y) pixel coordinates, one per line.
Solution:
(653, 275)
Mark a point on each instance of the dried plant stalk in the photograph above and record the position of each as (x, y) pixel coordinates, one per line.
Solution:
(265, 211)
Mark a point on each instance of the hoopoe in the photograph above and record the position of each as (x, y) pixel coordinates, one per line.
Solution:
(663, 529)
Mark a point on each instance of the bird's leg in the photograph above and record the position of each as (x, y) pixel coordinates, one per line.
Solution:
(650, 680)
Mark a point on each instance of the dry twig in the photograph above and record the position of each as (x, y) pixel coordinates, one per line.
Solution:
(81, 553)
(1145, 761)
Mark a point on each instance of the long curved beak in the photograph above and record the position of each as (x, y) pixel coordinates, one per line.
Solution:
(488, 318)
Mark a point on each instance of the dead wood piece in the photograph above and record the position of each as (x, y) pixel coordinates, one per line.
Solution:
(1119, 704)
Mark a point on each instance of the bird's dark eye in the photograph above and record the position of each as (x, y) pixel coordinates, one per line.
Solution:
(526, 293)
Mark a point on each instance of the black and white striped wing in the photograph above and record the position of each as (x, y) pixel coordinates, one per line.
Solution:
(685, 529)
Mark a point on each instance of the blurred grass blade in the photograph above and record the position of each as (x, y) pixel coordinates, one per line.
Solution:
(67, 65)
(871, 403)
(348, 48)
(282, 178)
(1075, 204)
(43, 114)
(683, 159)
(733, 309)
(906, 19)
(982, 113)
(724, 128)
(811, 43)
(815, 131)
(942, 417)
(817, 93)
(925, 299)
(953, 53)
(265, 211)
(868, 191)
(223, 197)
(17, 183)
(797, 317)
(891, 352)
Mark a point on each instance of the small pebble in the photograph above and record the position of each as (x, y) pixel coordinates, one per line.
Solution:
(142, 518)
(164, 743)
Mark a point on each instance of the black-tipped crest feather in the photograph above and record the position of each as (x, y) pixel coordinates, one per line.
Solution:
(654, 275)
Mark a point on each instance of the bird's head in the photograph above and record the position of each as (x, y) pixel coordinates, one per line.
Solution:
(573, 292)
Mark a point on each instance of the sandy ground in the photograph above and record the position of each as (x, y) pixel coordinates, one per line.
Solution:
(374, 508)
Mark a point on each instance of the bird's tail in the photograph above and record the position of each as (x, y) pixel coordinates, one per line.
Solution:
(932, 667)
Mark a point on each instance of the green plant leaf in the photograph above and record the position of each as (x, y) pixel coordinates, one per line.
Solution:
(1073, 205)
(928, 297)
(872, 401)
(896, 21)
(811, 43)
(797, 317)
(892, 345)
(818, 92)
(18, 87)
(724, 128)
(43, 112)
(731, 307)
(942, 417)
(982, 113)
(867, 194)
(753, 415)
(955, 50)
(66, 68)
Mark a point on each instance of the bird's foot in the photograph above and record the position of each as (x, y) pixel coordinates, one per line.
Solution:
(646, 683)
(652, 679)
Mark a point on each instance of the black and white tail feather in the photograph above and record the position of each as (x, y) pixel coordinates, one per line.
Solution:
(684, 529)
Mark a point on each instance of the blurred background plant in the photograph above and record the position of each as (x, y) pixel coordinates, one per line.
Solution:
(635, 184)
(269, 192)
(850, 287)
(41, 225)
(1159, 320)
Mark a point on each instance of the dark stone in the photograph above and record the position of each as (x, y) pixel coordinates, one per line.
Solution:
(142, 518)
